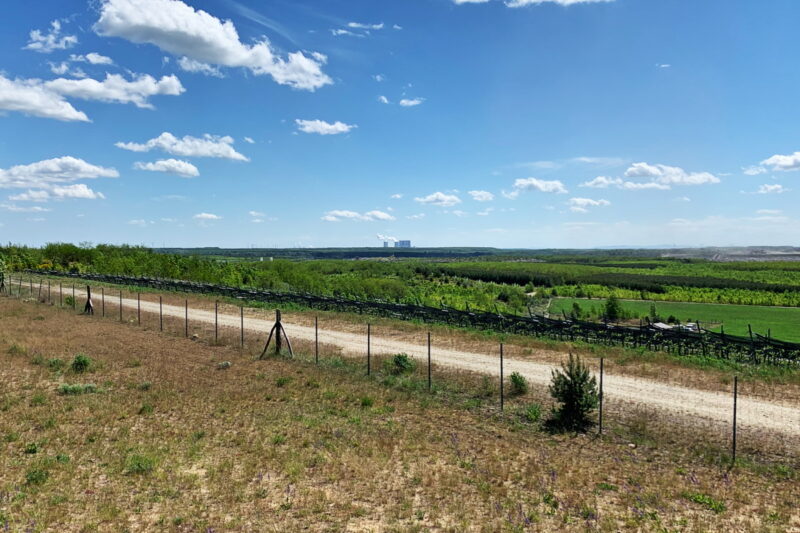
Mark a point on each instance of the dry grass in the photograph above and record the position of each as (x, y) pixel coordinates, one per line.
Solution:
(767, 385)
(171, 441)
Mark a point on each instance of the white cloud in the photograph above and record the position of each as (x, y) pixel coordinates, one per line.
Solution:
(188, 146)
(382, 99)
(459, 213)
(411, 102)
(485, 212)
(360, 26)
(783, 163)
(379, 77)
(77, 190)
(459, 2)
(396, 196)
(138, 222)
(179, 29)
(754, 170)
(116, 88)
(439, 198)
(582, 205)
(397, 27)
(17, 209)
(535, 184)
(323, 128)
(52, 40)
(192, 65)
(31, 98)
(256, 214)
(52, 172)
(249, 140)
(338, 32)
(663, 65)
(59, 68)
(206, 216)
(31, 196)
(481, 196)
(600, 161)
(417, 216)
(181, 168)
(343, 214)
(667, 175)
(92, 58)
(772, 189)
(603, 182)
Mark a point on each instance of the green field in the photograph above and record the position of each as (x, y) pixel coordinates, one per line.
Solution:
(784, 322)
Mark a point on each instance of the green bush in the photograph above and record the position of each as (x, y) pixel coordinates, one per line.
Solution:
(400, 364)
(282, 381)
(69, 301)
(575, 389)
(532, 413)
(31, 448)
(36, 477)
(519, 385)
(366, 401)
(56, 364)
(81, 363)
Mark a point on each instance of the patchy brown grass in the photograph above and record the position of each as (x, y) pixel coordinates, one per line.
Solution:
(171, 441)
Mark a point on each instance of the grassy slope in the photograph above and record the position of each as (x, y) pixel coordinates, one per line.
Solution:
(285, 445)
(784, 322)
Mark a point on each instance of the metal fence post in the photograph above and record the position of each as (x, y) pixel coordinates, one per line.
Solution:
(241, 324)
(429, 360)
(502, 380)
(316, 340)
(73, 296)
(103, 301)
(139, 308)
(600, 432)
(735, 396)
(369, 348)
(120, 305)
(186, 318)
(160, 314)
(216, 321)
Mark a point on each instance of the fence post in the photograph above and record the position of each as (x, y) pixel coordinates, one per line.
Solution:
(49, 301)
(316, 340)
(735, 396)
(429, 361)
(19, 289)
(600, 432)
(160, 314)
(103, 301)
(369, 349)
(120, 305)
(502, 384)
(73, 296)
(216, 320)
(139, 308)
(60, 294)
(241, 324)
(186, 318)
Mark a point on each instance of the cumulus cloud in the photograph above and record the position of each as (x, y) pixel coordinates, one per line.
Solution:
(754, 170)
(46, 42)
(582, 205)
(396, 196)
(481, 196)
(51, 173)
(192, 65)
(188, 146)
(178, 167)
(439, 198)
(604, 182)
(411, 102)
(183, 31)
(77, 190)
(338, 215)
(535, 184)
(361, 26)
(115, 88)
(323, 128)
(417, 216)
(382, 99)
(206, 216)
(32, 98)
(17, 209)
(92, 58)
(772, 189)
(523, 3)
(667, 175)
(783, 163)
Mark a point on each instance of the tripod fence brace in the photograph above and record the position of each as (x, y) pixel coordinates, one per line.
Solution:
(277, 330)
(88, 309)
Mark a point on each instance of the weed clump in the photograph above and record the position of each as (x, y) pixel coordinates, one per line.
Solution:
(519, 385)
(282, 381)
(75, 389)
(366, 401)
(81, 363)
(56, 364)
(400, 364)
(532, 413)
(36, 477)
(139, 464)
(575, 389)
(705, 500)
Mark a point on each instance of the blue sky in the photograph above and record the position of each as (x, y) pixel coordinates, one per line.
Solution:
(557, 123)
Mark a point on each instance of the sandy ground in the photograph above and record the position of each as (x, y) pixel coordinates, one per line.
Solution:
(714, 407)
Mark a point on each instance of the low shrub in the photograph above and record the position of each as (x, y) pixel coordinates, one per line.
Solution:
(575, 389)
(532, 413)
(366, 401)
(138, 464)
(81, 363)
(36, 477)
(519, 385)
(74, 389)
(400, 364)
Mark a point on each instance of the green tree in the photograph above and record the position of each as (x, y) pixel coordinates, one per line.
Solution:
(575, 389)
(613, 309)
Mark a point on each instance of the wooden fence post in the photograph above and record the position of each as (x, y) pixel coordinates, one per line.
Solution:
(160, 314)
(49, 301)
(502, 384)
(60, 294)
(241, 324)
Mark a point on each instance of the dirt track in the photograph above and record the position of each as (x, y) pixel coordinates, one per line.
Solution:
(714, 407)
